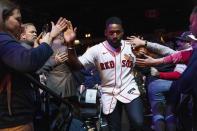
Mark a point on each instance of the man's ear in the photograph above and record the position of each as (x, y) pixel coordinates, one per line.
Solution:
(22, 36)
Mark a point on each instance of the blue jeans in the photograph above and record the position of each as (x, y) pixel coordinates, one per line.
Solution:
(134, 111)
(156, 93)
(157, 90)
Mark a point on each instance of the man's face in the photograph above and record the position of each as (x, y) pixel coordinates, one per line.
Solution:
(193, 24)
(29, 34)
(114, 34)
(182, 45)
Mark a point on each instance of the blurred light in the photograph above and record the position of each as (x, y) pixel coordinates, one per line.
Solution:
(87, 35)
(76, 42)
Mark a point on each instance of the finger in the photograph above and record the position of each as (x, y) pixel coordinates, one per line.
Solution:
(62, 53)
(130, 42)
(59, 20)
(146, 56)
(140, 63)
(64, 59)
(63, 22)
(52, 24)
(70, 25)
(140, 60)
(38, 38)
(62, 56)
(47, 36)
(75, 29)
(58, 52)
(131, 37)
(44, 34)
(40, 35)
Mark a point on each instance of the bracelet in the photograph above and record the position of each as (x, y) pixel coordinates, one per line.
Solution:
(146, 42)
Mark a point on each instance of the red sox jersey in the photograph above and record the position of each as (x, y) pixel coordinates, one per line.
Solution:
(117, 80)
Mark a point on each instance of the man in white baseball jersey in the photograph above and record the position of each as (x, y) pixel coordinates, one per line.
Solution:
(114, 60)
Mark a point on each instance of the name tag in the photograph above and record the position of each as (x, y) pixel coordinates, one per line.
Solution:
(90, 96)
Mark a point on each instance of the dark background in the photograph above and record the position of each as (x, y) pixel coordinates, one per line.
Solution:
(139, 16)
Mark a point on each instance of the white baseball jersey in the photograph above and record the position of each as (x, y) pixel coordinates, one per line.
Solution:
(117, 80)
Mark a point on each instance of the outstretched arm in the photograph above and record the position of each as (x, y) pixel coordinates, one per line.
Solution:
(15, 56)
(69, 36)
(153, 47)
(165, 75)
(178, 57)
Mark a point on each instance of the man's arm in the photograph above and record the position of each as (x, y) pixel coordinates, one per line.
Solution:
(153, 47)
(21, 59)
(69, 36)
(178, 57)
(159, 49)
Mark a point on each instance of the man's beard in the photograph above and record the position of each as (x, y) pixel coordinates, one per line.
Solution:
(115, 44)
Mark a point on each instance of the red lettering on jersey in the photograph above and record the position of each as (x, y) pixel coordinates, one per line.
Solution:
(112, 64)
(107, 65)
(126, 63)
(123, 63)
(102, 66)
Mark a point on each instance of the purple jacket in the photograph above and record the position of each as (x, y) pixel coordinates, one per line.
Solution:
(15, 59)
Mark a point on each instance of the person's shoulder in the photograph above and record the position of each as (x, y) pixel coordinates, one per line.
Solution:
(124, 43)
(96, 46)
(5, 37)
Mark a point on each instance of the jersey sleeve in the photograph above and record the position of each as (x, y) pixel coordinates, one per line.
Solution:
(169, 75)
(178, 57)
(88, 59)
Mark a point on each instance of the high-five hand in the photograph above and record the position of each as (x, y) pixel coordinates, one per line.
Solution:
(148, 61)
(59, 27)
(70, 34)
(135, 41)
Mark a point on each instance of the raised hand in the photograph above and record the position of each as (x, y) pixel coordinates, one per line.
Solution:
(46, 39)
(59, 27)
(135, 41)
(61, 57)
(70, 34)
(147, 62)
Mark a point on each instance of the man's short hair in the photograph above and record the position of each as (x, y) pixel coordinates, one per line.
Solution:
(113, 20)
(25, 25)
